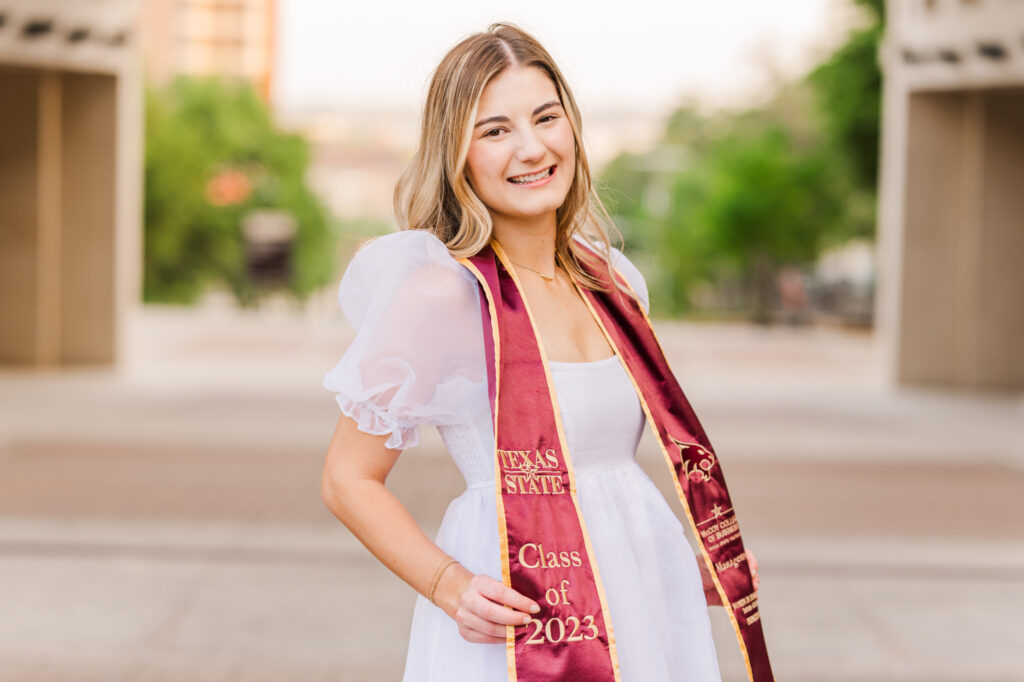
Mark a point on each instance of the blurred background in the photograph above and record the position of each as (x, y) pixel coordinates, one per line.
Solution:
(824, 195)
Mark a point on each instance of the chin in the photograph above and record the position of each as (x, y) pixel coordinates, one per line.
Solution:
(534, 209)
(527, 212)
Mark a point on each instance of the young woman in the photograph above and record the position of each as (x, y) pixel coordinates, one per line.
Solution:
(500, 160)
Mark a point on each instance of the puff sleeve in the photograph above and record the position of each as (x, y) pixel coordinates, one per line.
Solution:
(625, 268)
(418, 355)
(633, 276)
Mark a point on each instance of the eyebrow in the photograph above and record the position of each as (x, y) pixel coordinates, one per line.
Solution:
(504, 119)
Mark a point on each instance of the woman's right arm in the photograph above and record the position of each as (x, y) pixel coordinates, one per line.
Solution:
(353, 488)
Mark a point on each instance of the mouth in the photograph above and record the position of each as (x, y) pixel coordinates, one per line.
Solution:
(533, 178)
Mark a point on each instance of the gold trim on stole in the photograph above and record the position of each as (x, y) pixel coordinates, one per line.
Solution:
(726, 602)
(506, 575)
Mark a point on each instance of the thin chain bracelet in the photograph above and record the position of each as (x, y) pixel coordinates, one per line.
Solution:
(445, 565)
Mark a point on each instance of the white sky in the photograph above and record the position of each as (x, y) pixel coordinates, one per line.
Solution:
(620, 53)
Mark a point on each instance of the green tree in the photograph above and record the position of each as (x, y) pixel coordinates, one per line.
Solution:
(756, 202)
(213, 155)
(758, 189)
(849, 89)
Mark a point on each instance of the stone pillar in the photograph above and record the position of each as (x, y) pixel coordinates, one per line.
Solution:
(58, 217)
(999, 316)
(961, 275)
(20, 168)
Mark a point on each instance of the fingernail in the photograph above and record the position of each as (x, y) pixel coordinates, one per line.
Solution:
(535, 608)
(526, 619)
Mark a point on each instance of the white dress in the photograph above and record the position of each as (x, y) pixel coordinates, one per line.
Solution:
(417, 359)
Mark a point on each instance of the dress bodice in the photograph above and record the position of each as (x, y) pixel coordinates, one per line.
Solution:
(601, 417)
(600, 410)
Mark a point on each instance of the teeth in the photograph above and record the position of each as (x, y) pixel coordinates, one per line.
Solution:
(522, 179)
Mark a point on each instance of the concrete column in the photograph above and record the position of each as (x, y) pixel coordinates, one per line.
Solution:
(999, 311)
(891, 207)
(59, 147)
(933, 208)
(88, 217)
(961, 315)
(19, 216)
(49, 228)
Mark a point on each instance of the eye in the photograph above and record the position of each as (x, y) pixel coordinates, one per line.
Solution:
(493, 132)
(547, 117)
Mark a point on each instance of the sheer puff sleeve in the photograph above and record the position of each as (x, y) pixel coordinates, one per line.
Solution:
(418, 356)
(625, 268)
(633, 276)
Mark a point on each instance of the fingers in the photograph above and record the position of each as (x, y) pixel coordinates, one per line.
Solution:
(752, 561)
(478, 629)
(487, 606)
(479, 605)
(496, 613)
(501, 593)
(712, 597)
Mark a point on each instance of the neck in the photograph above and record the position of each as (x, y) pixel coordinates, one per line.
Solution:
(529, 243)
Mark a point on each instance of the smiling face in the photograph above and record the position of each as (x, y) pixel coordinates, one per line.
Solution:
(522, 156)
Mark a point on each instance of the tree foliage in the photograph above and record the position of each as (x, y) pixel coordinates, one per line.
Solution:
(201, 131)
(727, 199)
(756, 199)
(849, 89)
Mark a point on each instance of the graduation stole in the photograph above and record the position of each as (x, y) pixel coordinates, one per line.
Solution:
(545, 550)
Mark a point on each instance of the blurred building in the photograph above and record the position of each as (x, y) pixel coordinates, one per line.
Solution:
(230, 38)
(357, 157)
(70, 179)
(951, 278)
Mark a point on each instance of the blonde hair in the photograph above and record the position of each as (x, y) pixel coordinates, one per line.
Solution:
(433, 193)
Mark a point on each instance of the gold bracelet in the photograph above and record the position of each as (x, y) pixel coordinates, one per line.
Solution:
(444, 566)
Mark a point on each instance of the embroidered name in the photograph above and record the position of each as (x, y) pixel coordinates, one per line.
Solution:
(531, 472)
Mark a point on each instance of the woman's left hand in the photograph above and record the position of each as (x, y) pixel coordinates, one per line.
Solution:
(710, 592)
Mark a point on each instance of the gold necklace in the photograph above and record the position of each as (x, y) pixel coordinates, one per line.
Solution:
(550, 277)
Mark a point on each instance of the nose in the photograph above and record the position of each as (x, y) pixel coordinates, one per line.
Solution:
(529, 147)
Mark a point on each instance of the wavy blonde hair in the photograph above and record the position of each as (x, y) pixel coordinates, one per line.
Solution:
(433, 193)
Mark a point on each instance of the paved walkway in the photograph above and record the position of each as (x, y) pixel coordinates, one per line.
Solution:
(163, 522)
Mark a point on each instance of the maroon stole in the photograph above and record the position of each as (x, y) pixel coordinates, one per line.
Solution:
(545, 550)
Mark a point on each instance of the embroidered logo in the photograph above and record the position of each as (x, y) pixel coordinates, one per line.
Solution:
(698, 461)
